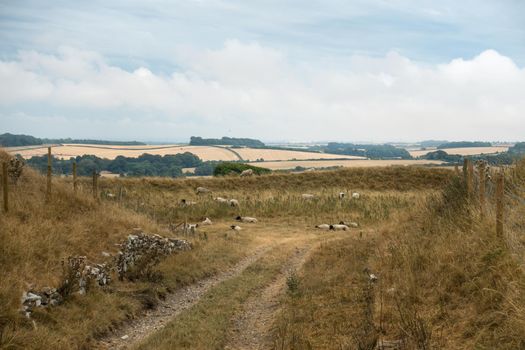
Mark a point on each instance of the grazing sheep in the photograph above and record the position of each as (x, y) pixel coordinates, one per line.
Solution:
(356, 195)
(325, 227)
(202, 190)
(246, 219)
(247, 172)
(307, 196)
(185, 203)
(350, 224)
(221, 200)
(235, 227)
(342, 195)
(338, 227)
(190, 228)
(206, 221)
(233, 202)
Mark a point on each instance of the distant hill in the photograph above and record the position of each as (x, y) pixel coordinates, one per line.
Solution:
(370, 151)
(12, 140)
(463, 144)
(232, 141)
(432, 143)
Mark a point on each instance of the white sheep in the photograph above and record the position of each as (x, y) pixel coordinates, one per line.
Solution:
(349, 224)
(206, 221)
(202, 190)
(342, 195)
(338, 227)
(246, 219)
(247, 172)
(355, 195)
(233, 202)
(221, 200)
(191, 228)
(185, 203)
(307, 196)
(235, 227)
(324, 227)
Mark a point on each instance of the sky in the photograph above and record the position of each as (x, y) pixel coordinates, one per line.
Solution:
(297, 71)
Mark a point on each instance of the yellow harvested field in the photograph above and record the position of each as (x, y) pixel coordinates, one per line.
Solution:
(464, 151)
(358, 163)
(111, 152)
(252, 154)
(221, 153)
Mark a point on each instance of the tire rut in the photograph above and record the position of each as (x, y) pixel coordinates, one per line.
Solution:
(252, 328)
(182, 299)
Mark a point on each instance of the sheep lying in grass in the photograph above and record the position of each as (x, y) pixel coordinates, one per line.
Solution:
(185, 203)
(235, 228)
(247, 172)
(307, 196)
(324, 227)
(246, 219)
(221, 200)
(202, 190)
(206, 221)
(339, 227)
(342, 195)
(349, 224)
(233, 202)
(356, 195)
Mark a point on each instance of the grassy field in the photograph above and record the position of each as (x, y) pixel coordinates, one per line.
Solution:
(464, 151)
(445, 280)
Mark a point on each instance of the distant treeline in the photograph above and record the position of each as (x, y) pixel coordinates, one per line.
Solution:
(144, 165)
(233, 141)
(370, 151)
(514, 153)
(12, 140)
(463, 144)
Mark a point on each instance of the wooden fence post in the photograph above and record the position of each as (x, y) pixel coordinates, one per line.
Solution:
(49, 168)
(465, 169)
(95, 185)
(75, 177)
(500, 203)
(482, 177)
(4, 185)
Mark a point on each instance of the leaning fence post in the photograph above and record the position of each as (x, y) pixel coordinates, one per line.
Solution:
(75, 177)
(499, 203)
(48, 187)
(95, 185)
(4, 186)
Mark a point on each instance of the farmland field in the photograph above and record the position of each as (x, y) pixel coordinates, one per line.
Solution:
(464, 151)
(356, 163)
(204, 152)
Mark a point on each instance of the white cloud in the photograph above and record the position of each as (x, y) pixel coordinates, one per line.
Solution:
(257, 91)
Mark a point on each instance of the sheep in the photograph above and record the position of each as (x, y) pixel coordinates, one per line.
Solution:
(233, 202)
(235, 228)
(206, 221)
(342, 195)
(221, 200)
(324, 227)
(349, 224)
(246, 219)
(185, 203)
(338, 227)
(190, 228)
(307, 196)
(247, 172)
(202, 190)
(355, 195)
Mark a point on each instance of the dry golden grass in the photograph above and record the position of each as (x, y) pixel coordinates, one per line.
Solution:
(445, 281)
(356, 163)
(463, 151)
